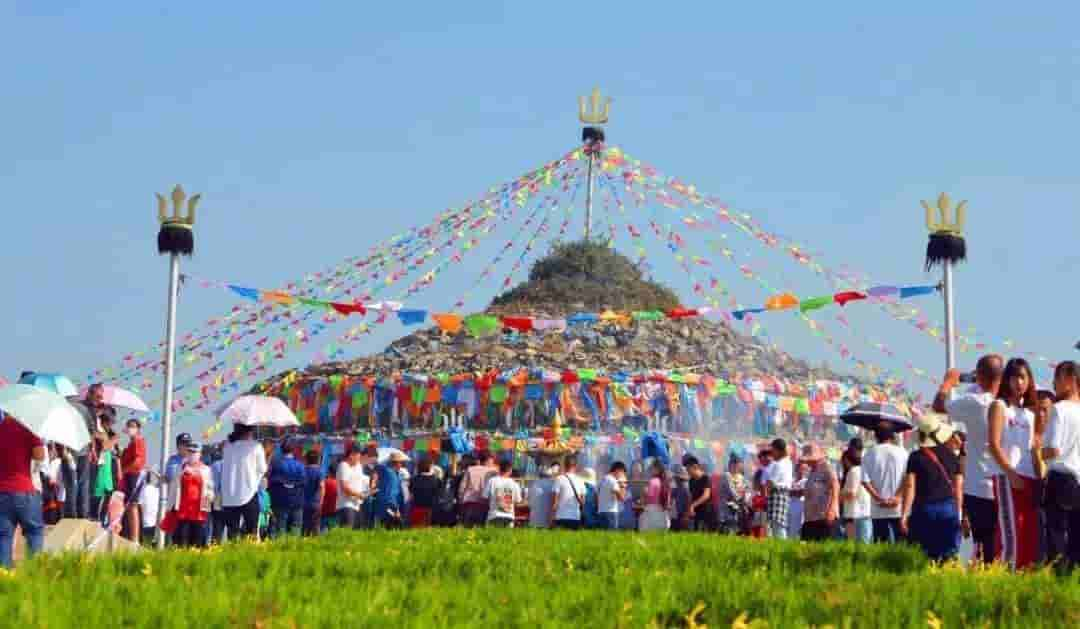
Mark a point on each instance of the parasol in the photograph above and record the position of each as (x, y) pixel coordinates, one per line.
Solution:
(46, 414)
(53, 382)
(874, 416)
(259, 410)
(121, 398)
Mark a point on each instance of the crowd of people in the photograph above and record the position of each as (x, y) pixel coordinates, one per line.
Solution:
(998, 462)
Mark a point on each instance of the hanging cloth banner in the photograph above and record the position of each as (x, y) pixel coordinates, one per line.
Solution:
(412, 317)
(814, 304)
(481, 325)
(741, 314)
(348, 309)
(848, 296)
(448, 322)
(916, 291)
(781, 302)
(521, 324)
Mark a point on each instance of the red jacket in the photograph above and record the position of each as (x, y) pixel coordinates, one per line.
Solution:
(133, 459)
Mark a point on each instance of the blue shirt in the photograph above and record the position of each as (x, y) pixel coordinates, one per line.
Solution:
(388, 494)
(313, 476)
(287, 480)
(172, 466)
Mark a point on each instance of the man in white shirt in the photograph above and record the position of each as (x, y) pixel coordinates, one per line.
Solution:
(611, 494)
(503, 494)
(779, 477)
(1062, 449)
(353, 489)
(883, 470)
(568, 499)
(243, 466)
(969, 412)
(540, 494)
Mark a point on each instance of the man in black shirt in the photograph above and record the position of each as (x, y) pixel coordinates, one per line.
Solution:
(702, 514)
(934, 491)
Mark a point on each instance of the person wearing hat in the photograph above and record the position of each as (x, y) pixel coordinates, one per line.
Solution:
(821, 496)
(176, 461)
(934, 491)
(388, 497)
(191, 494)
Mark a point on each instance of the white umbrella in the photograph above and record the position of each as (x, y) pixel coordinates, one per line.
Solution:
(259, 410)
(120, 398)
(46, 414)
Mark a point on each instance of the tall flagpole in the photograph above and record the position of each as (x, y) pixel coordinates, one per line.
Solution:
(593, 138)
(950, 322)
(946, 247)
(176, 237)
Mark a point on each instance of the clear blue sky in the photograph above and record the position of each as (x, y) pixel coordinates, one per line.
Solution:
(314, 131)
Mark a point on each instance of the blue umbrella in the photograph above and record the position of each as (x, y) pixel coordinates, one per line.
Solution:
(52, 382)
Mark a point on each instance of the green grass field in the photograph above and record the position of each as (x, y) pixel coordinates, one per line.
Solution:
(495, 579)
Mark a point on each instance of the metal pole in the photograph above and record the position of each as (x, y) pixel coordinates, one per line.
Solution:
(588, 198)
(166, 414)
(950, 323)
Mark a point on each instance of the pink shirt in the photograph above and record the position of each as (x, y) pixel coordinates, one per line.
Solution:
(652, 492)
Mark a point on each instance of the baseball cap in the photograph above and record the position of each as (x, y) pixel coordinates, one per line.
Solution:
(183, 439)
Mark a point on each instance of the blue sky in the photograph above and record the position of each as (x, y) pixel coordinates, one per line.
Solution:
(314, 131)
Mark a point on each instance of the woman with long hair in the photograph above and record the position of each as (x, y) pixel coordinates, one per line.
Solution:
(1012, 421)
(657, 501)
(855, 499)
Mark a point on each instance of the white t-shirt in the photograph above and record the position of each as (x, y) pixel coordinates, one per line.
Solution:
(780, 473)
(970, 413)
(243, 465)
(1016, 437)
(884, 467)
(1063, 434)
(568, 508)
(353, 477)
(502, 494)
(149, 501)
(859, 507)
(607, 500)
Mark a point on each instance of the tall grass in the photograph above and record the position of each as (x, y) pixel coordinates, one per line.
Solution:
(493, 578)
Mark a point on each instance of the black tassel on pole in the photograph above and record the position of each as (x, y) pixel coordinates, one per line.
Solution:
(178, 238)
(945, 247)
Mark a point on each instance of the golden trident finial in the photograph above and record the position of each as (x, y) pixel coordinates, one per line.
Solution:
(600, 110)
(178, 197)
(949, 224)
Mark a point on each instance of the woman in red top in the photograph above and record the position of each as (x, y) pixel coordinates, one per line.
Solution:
(191, 494)
(132, 464)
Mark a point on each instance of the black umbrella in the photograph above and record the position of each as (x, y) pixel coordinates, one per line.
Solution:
(873, 415)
